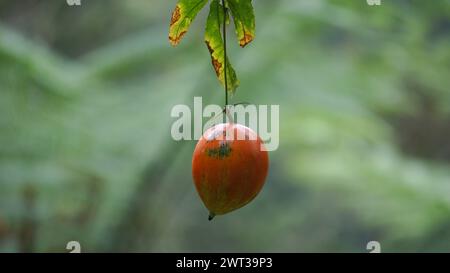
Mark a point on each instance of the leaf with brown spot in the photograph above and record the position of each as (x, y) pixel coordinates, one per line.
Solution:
(244, 20)
(214, 42)
(182, 17)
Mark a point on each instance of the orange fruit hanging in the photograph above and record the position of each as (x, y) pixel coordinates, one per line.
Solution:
(229, 167)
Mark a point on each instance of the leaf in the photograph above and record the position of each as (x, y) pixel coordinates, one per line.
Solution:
(244, 20)
(214, 42)
(182, 17)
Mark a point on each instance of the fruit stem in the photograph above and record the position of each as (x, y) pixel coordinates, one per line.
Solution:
(225, 50)
(211, 216)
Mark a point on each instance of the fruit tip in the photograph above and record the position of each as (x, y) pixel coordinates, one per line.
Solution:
(211, 216)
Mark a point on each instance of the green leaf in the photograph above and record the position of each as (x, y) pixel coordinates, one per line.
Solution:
(214, 42)
(182, 17)
(244, 20)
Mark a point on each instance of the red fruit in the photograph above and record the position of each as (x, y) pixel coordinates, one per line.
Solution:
(228, 169)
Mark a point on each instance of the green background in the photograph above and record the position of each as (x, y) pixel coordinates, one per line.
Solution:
(86, 152)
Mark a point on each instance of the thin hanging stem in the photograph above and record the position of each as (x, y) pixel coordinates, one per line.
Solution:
(225, 51)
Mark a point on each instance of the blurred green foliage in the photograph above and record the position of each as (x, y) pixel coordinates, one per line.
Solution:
(86, 153)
